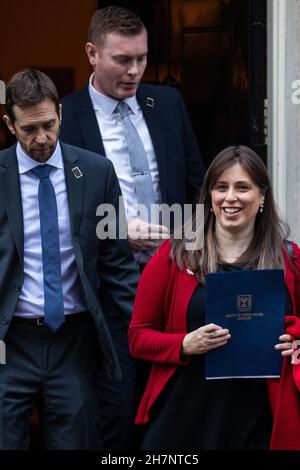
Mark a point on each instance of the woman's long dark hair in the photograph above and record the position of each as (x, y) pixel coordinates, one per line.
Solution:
(265, 249)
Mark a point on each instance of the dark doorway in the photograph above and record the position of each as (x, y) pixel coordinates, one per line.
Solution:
(215, 52)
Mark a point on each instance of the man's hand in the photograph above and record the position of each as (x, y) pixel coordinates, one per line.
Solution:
(143, 236)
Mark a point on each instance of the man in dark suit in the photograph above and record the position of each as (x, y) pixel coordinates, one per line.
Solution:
(60, 280)
(117, 50)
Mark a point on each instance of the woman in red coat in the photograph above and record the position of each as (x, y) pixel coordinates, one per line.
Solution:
(241, 231)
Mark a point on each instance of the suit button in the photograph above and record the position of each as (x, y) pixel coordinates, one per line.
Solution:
(4, 320)
(17, 287)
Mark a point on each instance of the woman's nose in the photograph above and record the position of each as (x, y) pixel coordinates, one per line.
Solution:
(231, 195)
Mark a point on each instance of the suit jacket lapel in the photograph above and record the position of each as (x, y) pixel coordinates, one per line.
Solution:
(93, 141)
(151, 113)
(88, 124)
(9, 178)
(75, 185)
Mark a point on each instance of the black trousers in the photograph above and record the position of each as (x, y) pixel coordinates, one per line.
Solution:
(63, 368)
(118, 400)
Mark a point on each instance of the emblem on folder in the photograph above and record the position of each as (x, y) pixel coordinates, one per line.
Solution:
(244, 303)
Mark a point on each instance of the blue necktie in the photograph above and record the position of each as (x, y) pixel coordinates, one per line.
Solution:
(53, 295)
(138, 160)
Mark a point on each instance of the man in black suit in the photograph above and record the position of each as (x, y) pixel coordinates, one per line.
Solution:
(117, 50)
(60, 277)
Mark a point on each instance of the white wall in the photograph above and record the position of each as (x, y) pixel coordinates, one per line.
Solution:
(284, 115)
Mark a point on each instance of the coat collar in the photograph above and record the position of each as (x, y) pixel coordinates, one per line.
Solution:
(151, 108)
(75, 181)
(289, 278)
(10, 187)
(88, 124)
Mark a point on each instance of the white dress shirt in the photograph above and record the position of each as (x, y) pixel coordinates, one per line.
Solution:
(31, 300)
(115, 147)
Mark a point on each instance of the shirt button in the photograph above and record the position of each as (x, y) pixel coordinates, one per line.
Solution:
(17, 287)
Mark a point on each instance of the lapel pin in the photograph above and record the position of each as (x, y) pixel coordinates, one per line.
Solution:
(150, 102)
(77, 172)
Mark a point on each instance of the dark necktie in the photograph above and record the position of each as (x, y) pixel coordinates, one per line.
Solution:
(138, 160)
(54, 307)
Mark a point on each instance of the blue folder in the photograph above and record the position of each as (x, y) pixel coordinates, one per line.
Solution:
(251, 304)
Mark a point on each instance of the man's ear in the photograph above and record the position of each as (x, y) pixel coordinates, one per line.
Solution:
(9, 124)
(91, 52)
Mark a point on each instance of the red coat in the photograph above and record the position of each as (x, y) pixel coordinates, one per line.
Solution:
(159, 324)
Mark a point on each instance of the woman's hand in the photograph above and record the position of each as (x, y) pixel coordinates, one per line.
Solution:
(204, 339)
(286, 345)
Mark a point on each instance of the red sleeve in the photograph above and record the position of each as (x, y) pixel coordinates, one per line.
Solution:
(147, 337)
(293, 322)
(296, 265)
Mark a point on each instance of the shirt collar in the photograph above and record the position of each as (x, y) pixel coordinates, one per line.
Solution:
(107, 105)
(26, 163)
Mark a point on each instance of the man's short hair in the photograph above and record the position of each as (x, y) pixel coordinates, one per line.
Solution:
(28, 88)
(113, 20)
